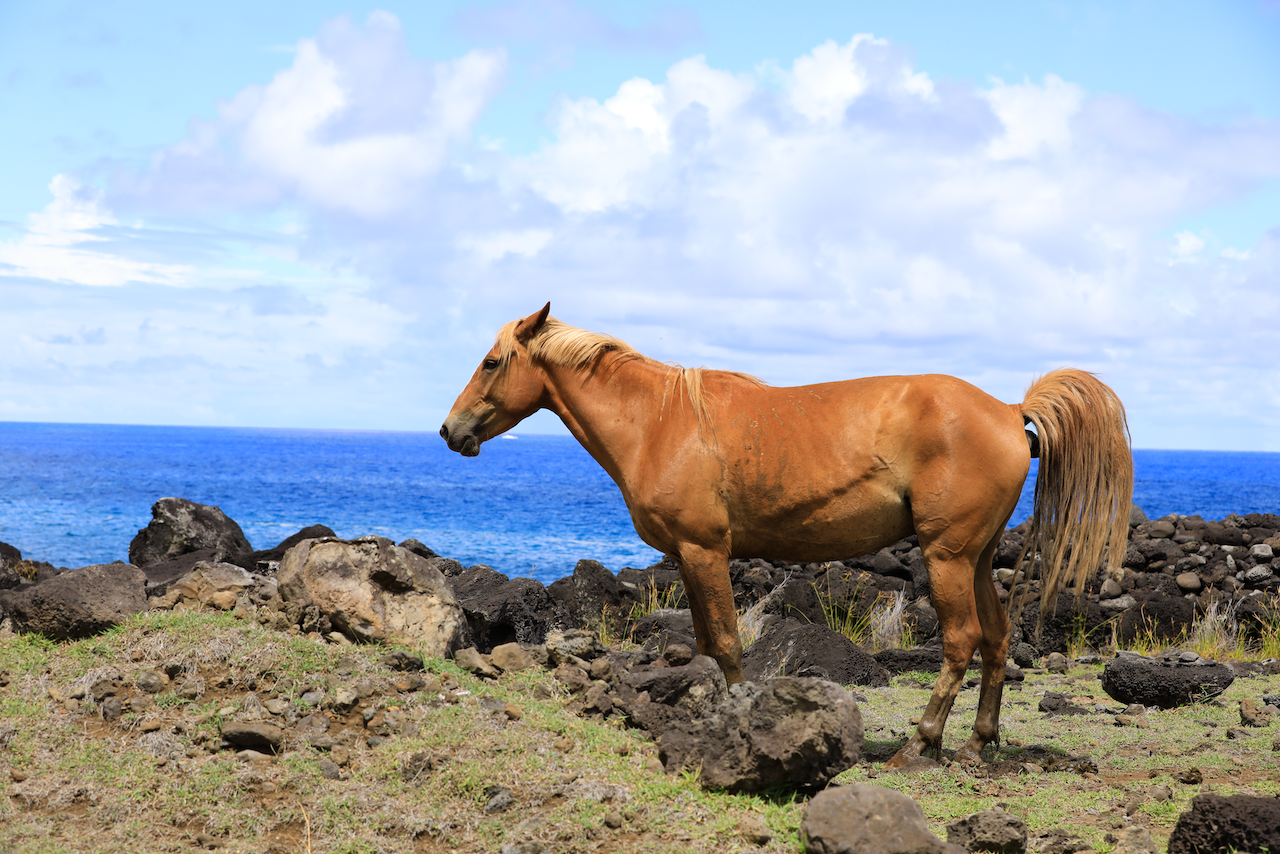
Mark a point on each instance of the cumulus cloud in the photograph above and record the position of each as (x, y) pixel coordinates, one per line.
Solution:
(844, 215)
(354, 124)
(63, 243)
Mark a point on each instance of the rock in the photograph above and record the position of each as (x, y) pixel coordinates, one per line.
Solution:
(1164, 618)
(505, 610)
(179, 526)
(1055, 840)
(470, 660)
(500, 800)
(1134, 840)
(1056, 662)
(663, 628)
(1215, 823)
(511, 657)
(402, 661)
(922, 659)
(1189, 582)
(151, 681)
(1252, 715)
(372, 590)
(592, 592)
(1190, 777)
(989, 830)
(1166, 681)
(580, 644)
(794, 599)
(214, 585)
(262, 737)
(695, 688)
(267, 561)
(1110, 589)
(78, 603)
(1065, 621)
(792, 648)
(787, 730)
(863, 819)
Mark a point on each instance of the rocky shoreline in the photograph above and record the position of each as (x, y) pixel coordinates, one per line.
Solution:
(1177, 572)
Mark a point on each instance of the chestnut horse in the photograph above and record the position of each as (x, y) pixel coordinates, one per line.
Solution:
(716, 465)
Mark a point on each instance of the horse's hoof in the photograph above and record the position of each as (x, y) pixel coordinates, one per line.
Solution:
(966, 757)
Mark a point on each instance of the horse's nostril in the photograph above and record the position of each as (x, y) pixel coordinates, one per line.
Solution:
(444, 433)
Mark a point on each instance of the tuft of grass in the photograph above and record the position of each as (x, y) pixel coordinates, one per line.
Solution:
(882, 626)
(1216, 634)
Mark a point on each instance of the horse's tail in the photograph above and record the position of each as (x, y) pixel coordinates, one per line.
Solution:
(1084, 488)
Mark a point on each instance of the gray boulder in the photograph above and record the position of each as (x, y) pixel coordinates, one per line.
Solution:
(179, 526)
(213, 585)
(665, 628)
(1173, 678)
(1239, 823)
(504, 610)
(868, 820)
(593, 592)
(792, 648)
(373, 590)
(78, 603)
(694, 688)
(788, 730)
(989, 830)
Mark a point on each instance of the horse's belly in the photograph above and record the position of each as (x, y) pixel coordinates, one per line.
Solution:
(833, 531)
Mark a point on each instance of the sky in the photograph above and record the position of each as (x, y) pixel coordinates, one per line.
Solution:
(317, 214)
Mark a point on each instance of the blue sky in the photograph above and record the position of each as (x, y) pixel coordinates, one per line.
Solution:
(317, 214)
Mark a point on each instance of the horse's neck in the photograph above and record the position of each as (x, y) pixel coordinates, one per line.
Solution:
(614, 409)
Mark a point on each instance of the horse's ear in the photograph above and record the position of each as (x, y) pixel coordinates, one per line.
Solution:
(530, 326)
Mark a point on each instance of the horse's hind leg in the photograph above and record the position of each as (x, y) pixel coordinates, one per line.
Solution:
(705, 574)
(994, 644)
(951, 579)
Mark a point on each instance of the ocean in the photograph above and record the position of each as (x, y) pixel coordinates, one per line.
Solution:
(529, 505)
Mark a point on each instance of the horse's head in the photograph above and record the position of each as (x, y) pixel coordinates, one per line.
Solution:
(505, 389)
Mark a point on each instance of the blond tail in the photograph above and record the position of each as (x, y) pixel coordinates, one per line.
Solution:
(1084, 488)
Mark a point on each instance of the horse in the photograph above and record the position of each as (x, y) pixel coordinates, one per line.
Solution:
(715, 465)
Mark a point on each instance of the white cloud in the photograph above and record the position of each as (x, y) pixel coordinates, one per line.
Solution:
(355, 124)
(1034, 117)
(845, 216)
(64, 243)
(1186, 245)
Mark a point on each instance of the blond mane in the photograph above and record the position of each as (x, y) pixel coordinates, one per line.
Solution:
(558, 343)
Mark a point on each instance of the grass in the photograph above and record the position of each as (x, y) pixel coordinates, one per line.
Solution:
(100, 787)
(880, 627)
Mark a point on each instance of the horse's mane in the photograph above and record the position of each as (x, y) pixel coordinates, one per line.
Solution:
(558, 343)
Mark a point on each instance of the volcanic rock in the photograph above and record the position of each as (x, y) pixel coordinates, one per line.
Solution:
(179, 526)
(372, 590)
(863, 819)
(78, 603)
(1240, 823)
(1174, 678)
(787, 730)
(792, 648)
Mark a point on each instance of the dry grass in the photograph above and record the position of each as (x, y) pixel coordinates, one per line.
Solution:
(77, 783)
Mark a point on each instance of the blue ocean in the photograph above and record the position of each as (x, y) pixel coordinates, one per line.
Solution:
(77, 494)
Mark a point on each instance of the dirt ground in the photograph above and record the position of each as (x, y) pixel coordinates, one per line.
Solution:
(93, 763)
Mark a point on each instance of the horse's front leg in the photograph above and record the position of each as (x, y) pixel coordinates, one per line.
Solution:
(705, 574)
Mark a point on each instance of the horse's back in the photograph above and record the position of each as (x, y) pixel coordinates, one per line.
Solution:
(836, 469)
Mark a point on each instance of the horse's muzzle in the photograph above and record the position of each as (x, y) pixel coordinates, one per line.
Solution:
(464, 443)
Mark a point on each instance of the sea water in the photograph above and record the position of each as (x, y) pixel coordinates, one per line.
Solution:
(76, 494)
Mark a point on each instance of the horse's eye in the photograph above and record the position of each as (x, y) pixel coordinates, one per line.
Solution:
(490, 364)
